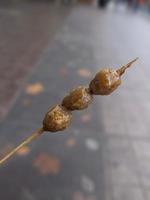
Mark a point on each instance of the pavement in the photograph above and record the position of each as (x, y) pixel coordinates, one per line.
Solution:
(25, 31)
(104, 154)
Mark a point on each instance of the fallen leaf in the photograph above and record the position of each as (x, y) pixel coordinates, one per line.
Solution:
(23, 151)
(71, 142)
(34, 89)
(83, 72)
(47, 164)
(86, 118)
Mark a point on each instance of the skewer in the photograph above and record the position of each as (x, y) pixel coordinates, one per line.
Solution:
(32, 137)
(58, 117)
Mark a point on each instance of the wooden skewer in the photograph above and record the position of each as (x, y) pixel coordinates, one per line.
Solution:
(32, 137)
(124, 67)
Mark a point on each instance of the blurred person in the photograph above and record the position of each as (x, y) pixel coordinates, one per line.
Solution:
(136, 4)
(102, 3)
(148, 5)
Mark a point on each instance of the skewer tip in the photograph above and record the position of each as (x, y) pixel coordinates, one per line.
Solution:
(124, 67)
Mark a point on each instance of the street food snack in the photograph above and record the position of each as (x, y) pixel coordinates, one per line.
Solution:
(58, 117)
(78, 99)
(107, 80)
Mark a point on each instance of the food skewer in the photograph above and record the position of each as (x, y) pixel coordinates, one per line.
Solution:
(59, 117)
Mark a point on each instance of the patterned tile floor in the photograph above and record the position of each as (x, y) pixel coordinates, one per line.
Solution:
(105, 152)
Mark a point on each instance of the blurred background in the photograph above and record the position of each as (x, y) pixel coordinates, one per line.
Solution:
(46, 49)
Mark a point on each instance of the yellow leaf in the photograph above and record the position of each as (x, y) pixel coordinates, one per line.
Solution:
(83, 72)
(85, 118)
(71, 142)
(47, 164)
(34, 89)
(23, 151)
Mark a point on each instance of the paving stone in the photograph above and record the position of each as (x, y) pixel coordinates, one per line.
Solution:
(129, 192)
(117, 150)
(142, 148)
(121, 174)
(145, 172)
(147, 194)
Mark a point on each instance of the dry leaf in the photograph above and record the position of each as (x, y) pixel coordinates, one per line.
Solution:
(23, 151)
(71, 142)
(83, 72)
(86, 118)
(47, 164)
(34, 89)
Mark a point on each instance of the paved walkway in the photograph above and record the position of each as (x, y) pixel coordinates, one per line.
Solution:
(104, 155)
(25, 31)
